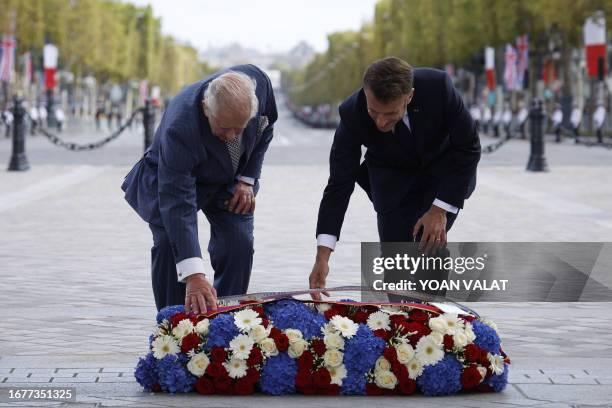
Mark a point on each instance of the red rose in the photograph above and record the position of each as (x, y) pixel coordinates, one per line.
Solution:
(407, 386)
(390, 354)
(470, 377)
(383, 334)
(303, 379)
(485, 388)
(194, 318)
(397, 320)
(360, 317)
(218, 354)
(332, 389)
(449, 342)
(332, 312)
(305, 361)
(310, 390)
(177, 317)
(275, 332)
(483, 359)
(243, 387)
(321, 378)
(472, 353)
(387, 391)
(372, 389)
(318, 346)
(282, 342)
(204, 386)
(222, 384)
(190, 341)
(400, 370)
(252, 375)
(255, 357)
(216, 370)
(265, 323)
(419, 316)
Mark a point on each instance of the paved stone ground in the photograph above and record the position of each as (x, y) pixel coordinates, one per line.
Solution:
(76, 294)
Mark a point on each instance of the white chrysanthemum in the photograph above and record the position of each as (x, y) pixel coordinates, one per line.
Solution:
(197, 364)
(241, 346)
(164, 345)
(488, 322)
(385, 379)
(293, 335)
(268, 347)
(297, 347)
(415, 368)
(323, 307)
(345, 326)
(333, 358)
(379, 320)
(497, 363)
(454, 324)
(236, 368)
(438, 324)
(437, 337)
(460, 340)
(258, 333)
(334, 341)
(405, 353)
(202, 327)
(382, 364)
(469, 332)
(337, 374)
(182, 329)
(428, 351)
(246, 319)
(328, 328)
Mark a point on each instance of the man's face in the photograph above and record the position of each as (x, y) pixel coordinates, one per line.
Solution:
(386, 115)
(227, 124)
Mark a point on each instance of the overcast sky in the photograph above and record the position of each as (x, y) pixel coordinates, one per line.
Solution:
(267, 25)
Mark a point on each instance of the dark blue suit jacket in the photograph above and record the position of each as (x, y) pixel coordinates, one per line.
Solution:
(439, 154)
(187, 165)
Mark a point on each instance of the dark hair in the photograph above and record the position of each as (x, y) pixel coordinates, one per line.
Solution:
(389, 78)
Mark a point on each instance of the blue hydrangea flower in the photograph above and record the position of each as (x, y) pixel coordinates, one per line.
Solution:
(221, 331)
(173, 376)
(146, 372)
(442, 378)
(293, 314)
(168, 312)
(486, 337)
(499, 382)
(278, 375)
(360, 355)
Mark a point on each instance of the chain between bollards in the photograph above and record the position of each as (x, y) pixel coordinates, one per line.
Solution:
(537, 159)
(19, 160)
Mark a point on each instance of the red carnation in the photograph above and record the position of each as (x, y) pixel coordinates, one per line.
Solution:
(282, 342)
(204, 386)
(252, 375)
(222, 384)
(177, 317)
(310, 390)
(372, 389)
(470, 377)
(275, 332)
(303, 379)
(387, 391)
(216, 370)
(449, 342)
(321, 378)
(400, 370)
(333, 311)
(259, 310)
(397, 320)
(360, 317)
(407, 386)
(383, 334)
(332, 389)
(485, 388)
(265, 323)
(243, 387)
(305, 361)
(194, 318)
(419, 316)
(318, 346)
(218, 355)
(472, 353)
(190, 341)
(255, 357)
(484, 359)
(390, 354)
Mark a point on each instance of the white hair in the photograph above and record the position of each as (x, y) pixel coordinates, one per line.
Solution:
(232, 90)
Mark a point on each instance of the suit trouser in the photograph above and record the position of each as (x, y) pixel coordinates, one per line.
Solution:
(231, 255)
(397, 226)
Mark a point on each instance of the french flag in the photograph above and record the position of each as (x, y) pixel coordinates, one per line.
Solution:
(595, 43)
(490, 67)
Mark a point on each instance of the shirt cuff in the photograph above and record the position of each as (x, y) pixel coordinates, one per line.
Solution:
(248, 180)
(446, 206)
(188, 267)
(327, 240)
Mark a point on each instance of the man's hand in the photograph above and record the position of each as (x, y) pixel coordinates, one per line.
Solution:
(200, 295)
(243, 201)
(320, 270)
(434, 229)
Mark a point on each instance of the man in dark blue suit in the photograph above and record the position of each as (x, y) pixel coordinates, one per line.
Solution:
(207, 154)
(419, 166)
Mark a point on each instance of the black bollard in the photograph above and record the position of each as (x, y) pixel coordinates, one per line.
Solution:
(148, 119)
(537, 160)
(19, 161)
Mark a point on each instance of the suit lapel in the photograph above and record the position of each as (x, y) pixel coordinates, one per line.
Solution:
(414, 116)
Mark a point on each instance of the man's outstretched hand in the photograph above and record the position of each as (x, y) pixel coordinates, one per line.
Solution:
(200, 295)
(319, 273)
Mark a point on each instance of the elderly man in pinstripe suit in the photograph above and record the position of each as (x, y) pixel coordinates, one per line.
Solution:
(207, 154)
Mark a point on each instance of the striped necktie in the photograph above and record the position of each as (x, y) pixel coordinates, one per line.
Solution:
(235, 149)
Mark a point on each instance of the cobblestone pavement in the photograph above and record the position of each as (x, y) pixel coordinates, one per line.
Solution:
(76, 294)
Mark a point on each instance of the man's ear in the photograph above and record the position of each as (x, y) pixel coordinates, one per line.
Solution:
(410, 95)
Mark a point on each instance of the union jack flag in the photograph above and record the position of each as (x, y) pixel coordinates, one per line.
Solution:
(510, 74)
(7, 60)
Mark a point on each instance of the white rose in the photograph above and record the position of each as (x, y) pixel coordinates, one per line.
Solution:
(293, 335)
(437, 324)
(385, 379)
(460, 339)
(198, 364)
(259, 333)
(334, 341)
(202, 327)
(382, 364)
(297, 347)
(333, 358)
(182, 329)
(268, 347)
(405, 352)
